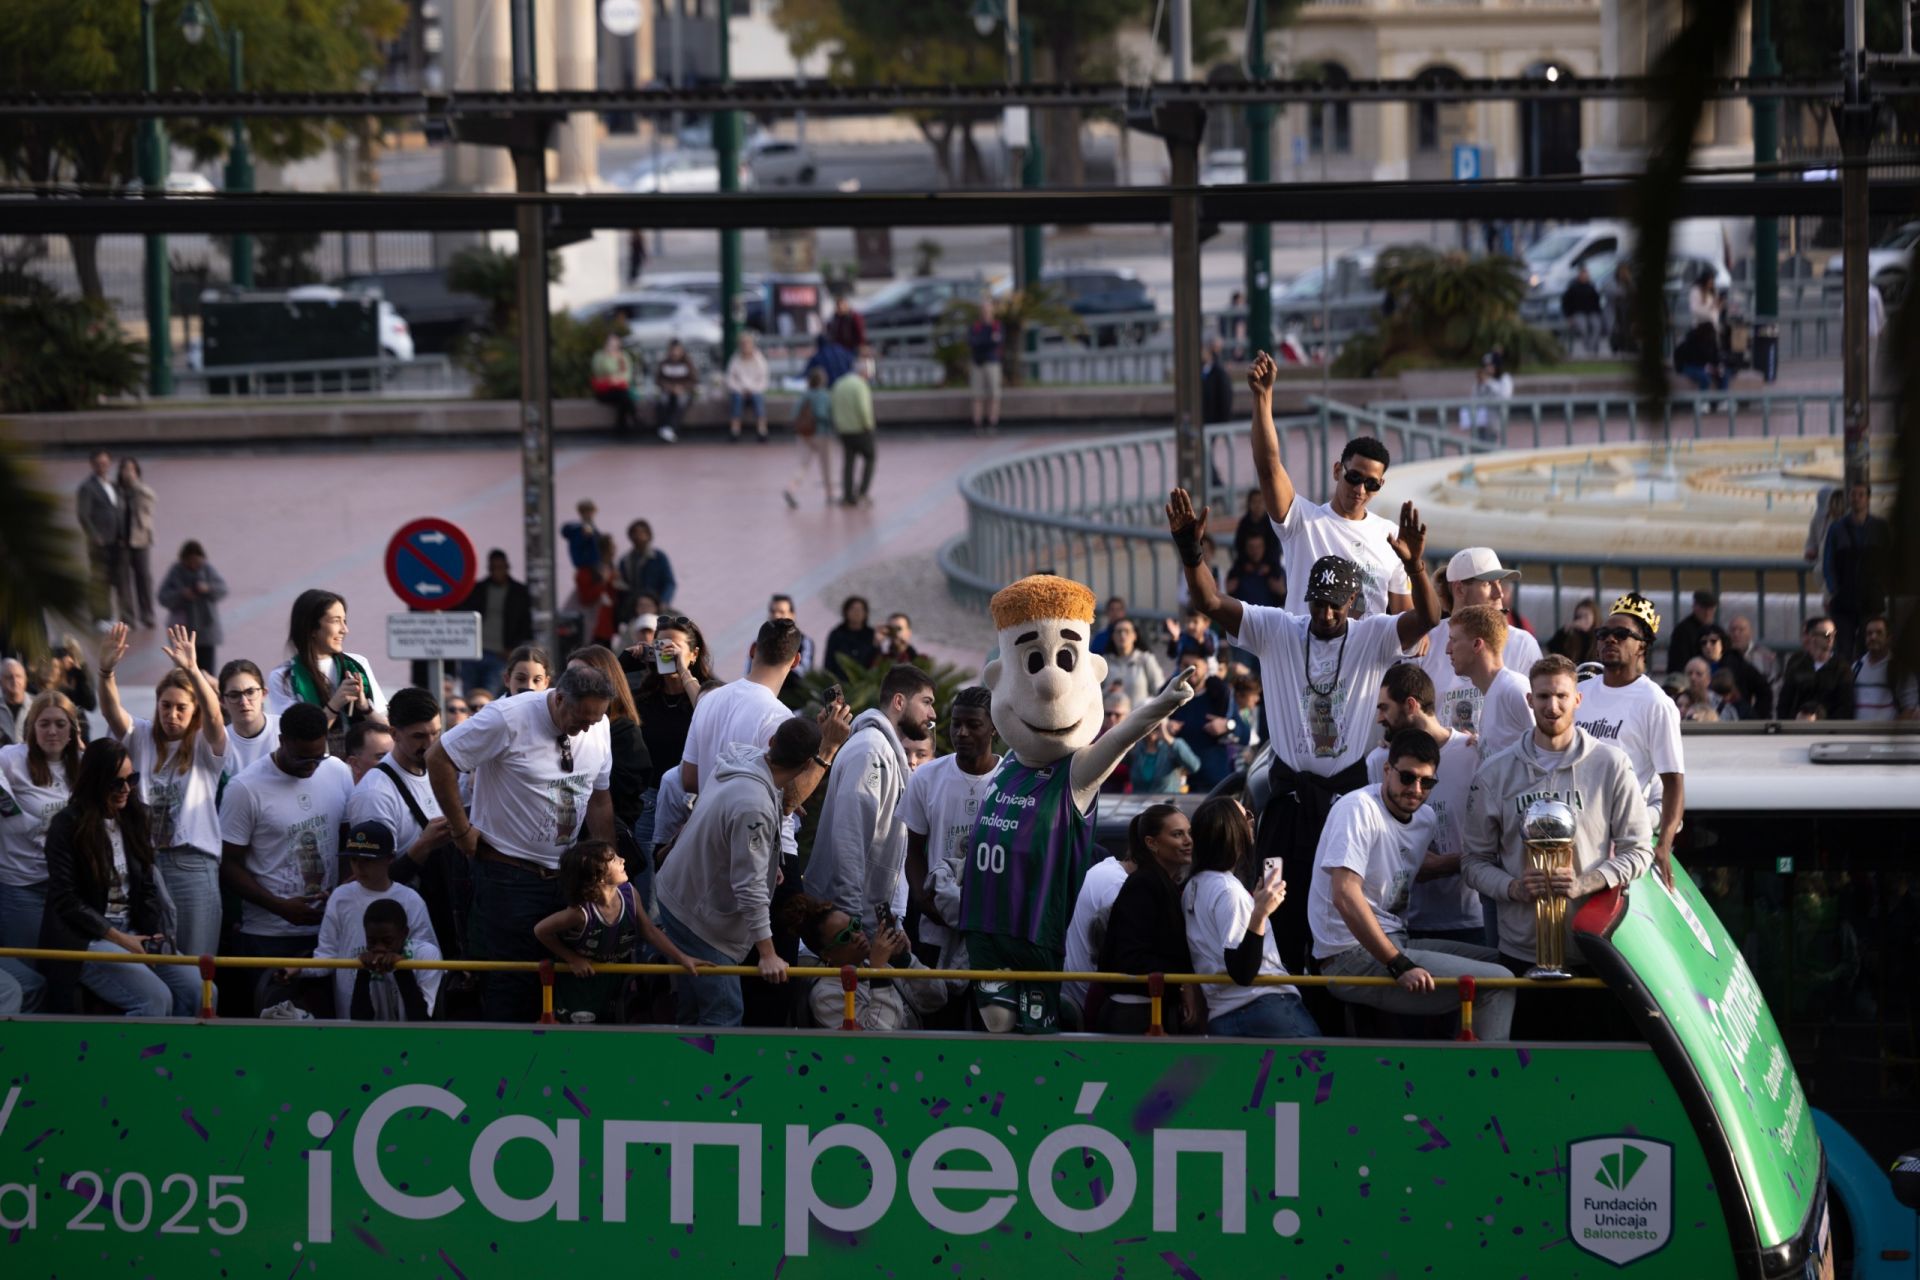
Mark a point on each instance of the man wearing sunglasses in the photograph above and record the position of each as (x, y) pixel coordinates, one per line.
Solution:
(281, 823)
(1627, 709)
(1341, 527)
(1321, 671)
(1560, 761)
(1363, 874)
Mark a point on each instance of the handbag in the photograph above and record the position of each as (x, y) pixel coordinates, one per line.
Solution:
(804, 423)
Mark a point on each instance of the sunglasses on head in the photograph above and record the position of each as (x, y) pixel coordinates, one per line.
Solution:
(672, 622)
(1423, 782)
(566, 756)
(1616, 633)
(1360, 480)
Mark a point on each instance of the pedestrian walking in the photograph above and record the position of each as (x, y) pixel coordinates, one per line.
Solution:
(986, 345)
(191, 594)
(853, 422)
(812, 419)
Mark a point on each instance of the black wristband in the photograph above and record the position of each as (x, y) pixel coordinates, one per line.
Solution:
(1187, 542)
(1400, 965)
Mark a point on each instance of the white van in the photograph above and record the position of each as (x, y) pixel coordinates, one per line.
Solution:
(1556, 257)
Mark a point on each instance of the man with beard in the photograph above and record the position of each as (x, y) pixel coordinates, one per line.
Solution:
(1323, 671)
(1627, 710)
(860, 846)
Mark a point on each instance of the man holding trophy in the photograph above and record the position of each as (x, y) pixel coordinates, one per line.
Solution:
(1554, 818)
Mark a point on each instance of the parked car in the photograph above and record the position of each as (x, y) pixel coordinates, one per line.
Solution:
(1096, 294)
(917, 300)
(1226, 167)
(396, 337)
(778, 162)
(1889, 263)
(1556, 257)
(1298, 303)
(179, 183)
(672, 173)
(655, 318)
(705, 285)
(437, 316)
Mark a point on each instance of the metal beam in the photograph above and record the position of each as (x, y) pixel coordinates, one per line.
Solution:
(1141, 206)
(777, 97)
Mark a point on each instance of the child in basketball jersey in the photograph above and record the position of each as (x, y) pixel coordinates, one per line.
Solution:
(602, 924)
(1033, 842)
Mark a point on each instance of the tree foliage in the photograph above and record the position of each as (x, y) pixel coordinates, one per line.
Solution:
(60, 355)
(40, 547)
(1448, 309)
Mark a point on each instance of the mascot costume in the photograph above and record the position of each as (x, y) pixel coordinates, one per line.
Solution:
(1033, 842)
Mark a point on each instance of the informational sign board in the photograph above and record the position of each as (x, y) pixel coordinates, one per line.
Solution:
(431, 564)
(1467, 164)
(449, 635)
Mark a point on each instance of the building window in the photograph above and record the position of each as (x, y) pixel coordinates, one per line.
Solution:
(1437, 124)
(1334, 117)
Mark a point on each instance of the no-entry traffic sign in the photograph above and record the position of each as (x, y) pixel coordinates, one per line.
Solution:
(431, 565)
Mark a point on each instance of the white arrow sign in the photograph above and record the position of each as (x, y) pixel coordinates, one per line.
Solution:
(433, 538)
(429, 588)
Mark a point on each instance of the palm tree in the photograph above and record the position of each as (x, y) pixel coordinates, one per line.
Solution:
(44, 578)
(1448, 309)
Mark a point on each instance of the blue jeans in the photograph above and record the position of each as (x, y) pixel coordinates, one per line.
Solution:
(143, 991)
(705, 1002)
(21, 907)
(757, 400)
(1706, 379)
(488, 673)
(193, 879)
(1269, 1017)
(507, 902)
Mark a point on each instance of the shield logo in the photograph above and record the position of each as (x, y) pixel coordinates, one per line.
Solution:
(1620, 1197)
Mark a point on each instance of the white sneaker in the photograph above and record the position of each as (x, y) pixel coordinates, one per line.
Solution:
(667, 436)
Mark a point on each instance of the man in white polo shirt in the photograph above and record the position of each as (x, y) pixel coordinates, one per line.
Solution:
(1344, 527)
(540, 774)
(1474, 576)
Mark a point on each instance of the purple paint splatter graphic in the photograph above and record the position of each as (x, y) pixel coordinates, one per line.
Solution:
(37, 1141)
(1324, 1090)
(1526, 1058)
(1260, 1081)
(1436, 1141)
(998, 1098)
(935, 1111)
(703, 1043)
(152, 1051)
(1314, 1060)
(566, 1091)
(1178, 1267)
(736, 1086)
(193, 1124)
(458, 1273)
(500, 1090)
(1504, 1149)
(366, 1238)
(1099, 1192)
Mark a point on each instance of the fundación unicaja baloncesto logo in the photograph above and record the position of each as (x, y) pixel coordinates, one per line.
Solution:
(1620, 1197)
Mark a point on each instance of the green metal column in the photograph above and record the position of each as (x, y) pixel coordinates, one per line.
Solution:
(1766, 150)
(153, 180)
(726, 141)
(240, 166)
(1259, 285)
(1031, 173)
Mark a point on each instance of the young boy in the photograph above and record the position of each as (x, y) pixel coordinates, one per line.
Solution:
(382, 993)
(344, 932)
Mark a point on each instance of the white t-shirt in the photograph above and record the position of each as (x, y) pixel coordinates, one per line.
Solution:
(1877, 695)
(375, 799)
(1642, 721)
(291, 829)
(280, 686)
(182, 808)
(1456, 703)
(343, 936)
(523, 802)
(1315, 529)
(1505, 718)
(1447, 903)
(1087, 927)
(742, 712)
(1314, 732)
(942, 804)
(1219, 909)
(25, 811)
(242, 752)
(1363, 837)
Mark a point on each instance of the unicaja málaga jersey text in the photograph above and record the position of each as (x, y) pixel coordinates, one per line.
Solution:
(1031, 849)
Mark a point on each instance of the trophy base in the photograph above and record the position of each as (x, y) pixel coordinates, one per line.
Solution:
(1548, 973)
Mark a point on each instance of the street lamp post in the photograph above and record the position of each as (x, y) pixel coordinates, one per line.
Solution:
(1005, 15)
(194, 21)
(153, 183)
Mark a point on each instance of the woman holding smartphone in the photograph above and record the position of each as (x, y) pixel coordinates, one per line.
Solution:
(667, 676)
(1227, 930)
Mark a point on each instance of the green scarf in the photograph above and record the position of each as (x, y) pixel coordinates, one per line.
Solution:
(306, 684)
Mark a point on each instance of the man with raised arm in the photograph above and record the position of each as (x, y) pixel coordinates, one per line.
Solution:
(1344, 527)
(1321, 672)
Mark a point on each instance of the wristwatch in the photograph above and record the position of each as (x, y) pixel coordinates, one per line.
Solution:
(1400, 965)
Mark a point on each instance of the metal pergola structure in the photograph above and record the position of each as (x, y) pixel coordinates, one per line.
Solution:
(523, 120)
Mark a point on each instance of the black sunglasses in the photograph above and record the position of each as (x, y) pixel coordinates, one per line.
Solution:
(672, 622)
(1359, 481)
(127, 783)
(1421, 781)
(566, 756)
(1616, 633)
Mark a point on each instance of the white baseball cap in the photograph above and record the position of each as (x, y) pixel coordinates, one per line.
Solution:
(1478, 564)
(647, 622)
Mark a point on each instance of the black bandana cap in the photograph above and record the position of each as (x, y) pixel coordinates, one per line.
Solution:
(1333, 580)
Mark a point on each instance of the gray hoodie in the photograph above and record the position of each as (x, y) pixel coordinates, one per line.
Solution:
(1613, 833)
(860, 846)
(718, 881)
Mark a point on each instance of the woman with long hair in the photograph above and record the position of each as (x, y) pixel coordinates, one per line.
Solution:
(670, 674)
(178, 757)
(36, 781)
(1145, 931)
(1135, 671)
(529, 670)
(321, 671)
(1228, 930)
(136, 514)
(103, 892)
(853, 637)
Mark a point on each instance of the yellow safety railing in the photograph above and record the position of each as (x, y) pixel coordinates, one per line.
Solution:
(848, 975)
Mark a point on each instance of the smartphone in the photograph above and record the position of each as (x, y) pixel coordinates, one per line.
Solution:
(831, 696)
(887, 919)
(663, 659)
(1273, 867)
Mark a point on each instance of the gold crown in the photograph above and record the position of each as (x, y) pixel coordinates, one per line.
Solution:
(1635, 605)
(1041, 596)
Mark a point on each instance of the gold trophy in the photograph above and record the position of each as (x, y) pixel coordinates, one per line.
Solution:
(1549, 827)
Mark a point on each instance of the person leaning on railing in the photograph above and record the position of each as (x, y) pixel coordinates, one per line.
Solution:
(1146, 932)
(879, 1004)
(1227, 930)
